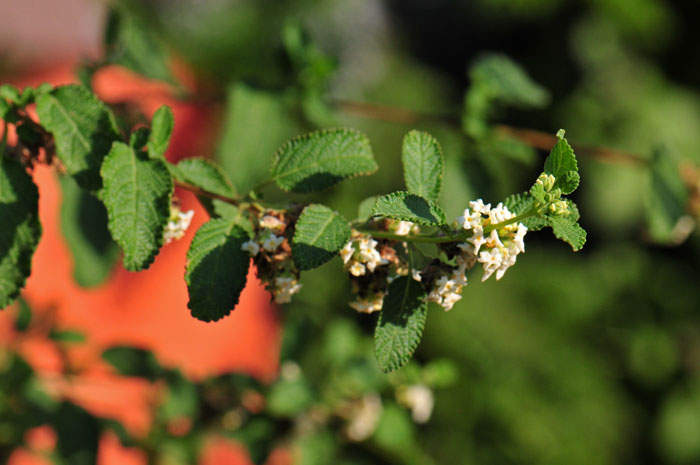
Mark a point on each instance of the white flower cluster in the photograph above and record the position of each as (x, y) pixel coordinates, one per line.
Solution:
(285, 288)
(360, 255)
(368, 304)
(447, 289)
(498, 250)
(267, 238)
(178, 223)
(273, 259)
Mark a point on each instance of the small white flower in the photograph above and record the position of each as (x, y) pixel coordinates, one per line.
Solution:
(347, 252)
(271, 222)
(177, 225)
(419, 398)
(403, 228)
(479, 207)
(416, 275)
(477, 239)
(272, 242)
(251, 247)
(357, 269)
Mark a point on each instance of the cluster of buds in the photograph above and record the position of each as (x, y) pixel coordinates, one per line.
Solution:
(178, 223)
(373, 264)
(272, 255)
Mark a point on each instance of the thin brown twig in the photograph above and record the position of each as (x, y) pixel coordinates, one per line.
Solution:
(535, 139)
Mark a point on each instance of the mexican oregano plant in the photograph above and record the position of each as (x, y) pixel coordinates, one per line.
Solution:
(383, 250)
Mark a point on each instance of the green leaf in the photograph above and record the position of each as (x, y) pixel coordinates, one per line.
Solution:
(10, 92)
(20, 229)
(320, 159)
(364, 210)
(423, 165)
(162, 126)
(137, 192)
(24, 316)
(400, 324)
(409, 207)
(243, 152)
(67, 336)
(139, 138)
(84, 227)
(206, 175)
(667, 196)
(561, 163)
(568, 231)
(320, 233)
(216, 269)
(131, 361)
(508, 82)
(84, 129)
(133, 43)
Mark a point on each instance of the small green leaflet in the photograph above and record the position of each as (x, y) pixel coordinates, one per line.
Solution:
(20, 229)
(206, 175)
(137, 193)
(162, 126)
(667, 196)
(400, 325)
(217, 269)
(318, 160)
(409, 207)
(84, 129)
(320, 233)
(84, 227)
(561, 163)
(423, 165)
(568, 231)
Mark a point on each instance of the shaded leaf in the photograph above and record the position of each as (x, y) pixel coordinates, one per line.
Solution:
(20, 229)
(423, 165)
(400, 324)
(320, 233)
(131, 361)
(137, 192)
(507, 81)
(84, 129)
(409, 207)
(667, 196)
(244, 153)
(216, 269)
(133, 43)
(84, 227)
(320, 159)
